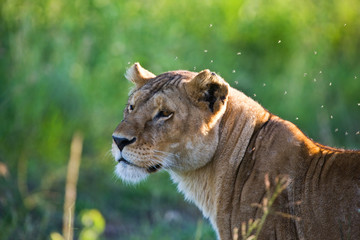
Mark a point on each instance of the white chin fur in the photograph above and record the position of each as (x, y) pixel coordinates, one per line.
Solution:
(129, 173)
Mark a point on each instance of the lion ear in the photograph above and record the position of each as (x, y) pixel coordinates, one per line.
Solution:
(138, 75)
(208, 89)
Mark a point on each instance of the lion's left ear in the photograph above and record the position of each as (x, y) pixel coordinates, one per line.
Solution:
(138, 75)
(208, 89)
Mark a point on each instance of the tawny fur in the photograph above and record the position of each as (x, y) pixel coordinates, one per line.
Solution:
(219, 144)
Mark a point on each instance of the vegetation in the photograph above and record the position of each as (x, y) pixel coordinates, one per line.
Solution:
(61, 72)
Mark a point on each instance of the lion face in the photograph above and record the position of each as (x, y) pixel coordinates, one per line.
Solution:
(171, 122)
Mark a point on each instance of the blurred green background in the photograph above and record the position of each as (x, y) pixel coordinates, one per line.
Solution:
(61, 71)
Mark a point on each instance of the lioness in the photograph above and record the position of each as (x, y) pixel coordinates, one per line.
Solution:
(218, 145)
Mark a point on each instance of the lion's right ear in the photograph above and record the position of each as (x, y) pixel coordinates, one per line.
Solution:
(138, 75)
(208, 90)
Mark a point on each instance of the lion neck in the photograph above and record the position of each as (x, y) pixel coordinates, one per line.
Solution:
(203, 186)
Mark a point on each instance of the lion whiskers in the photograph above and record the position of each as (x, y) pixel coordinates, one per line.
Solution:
(164, 158)
(167, 154)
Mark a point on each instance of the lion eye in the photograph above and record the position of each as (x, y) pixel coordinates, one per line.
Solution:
(164, 114)
(131, 107)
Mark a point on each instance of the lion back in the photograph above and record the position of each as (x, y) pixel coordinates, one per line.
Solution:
(321, 199)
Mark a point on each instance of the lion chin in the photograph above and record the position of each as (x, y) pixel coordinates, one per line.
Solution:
(130, 174)
(128, 171)
(227, 153)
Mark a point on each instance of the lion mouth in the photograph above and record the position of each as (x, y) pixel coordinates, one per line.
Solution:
(154, 168)
(150, 169)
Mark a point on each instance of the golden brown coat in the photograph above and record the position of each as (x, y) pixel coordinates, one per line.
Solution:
(219, 144)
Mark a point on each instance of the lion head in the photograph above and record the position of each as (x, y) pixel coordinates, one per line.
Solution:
(171, 122)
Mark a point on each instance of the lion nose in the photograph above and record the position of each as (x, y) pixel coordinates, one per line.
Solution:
(122, 142)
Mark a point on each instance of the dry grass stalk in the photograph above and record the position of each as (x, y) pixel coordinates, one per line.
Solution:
(71, 182)
(250, 230)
